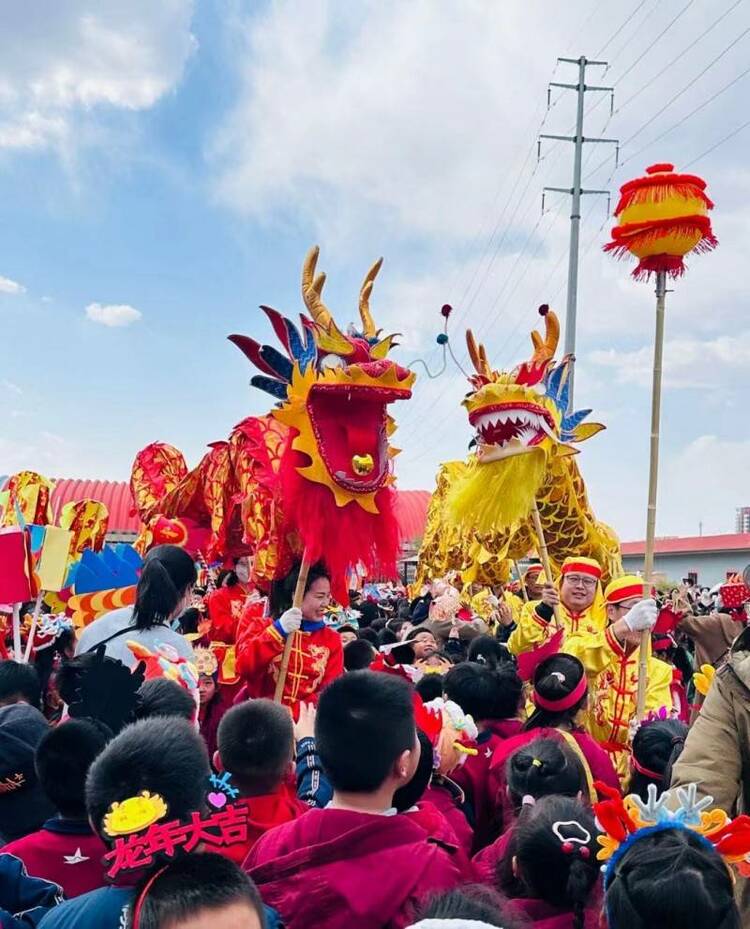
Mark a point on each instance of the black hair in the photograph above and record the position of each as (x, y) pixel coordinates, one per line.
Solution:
(387, 637)
(282, 591)
(472, 903)
(369, 613)
(62, 761)
(256, 744)
(430, 686)
(19, 683)
(227, 578)
(365, 722)
(656, 748)
(369, 635)
(554, 679)
(359, 655)
(670, 878)
(418, 630)
(165, 756)
(543, 767)
(168, 571)
(189, 620)
(408, 795)
(555, 849)
(483, 693)
(163, 697)
(194, 885)
(485, 649)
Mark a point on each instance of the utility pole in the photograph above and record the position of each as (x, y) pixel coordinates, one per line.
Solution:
(576, 191)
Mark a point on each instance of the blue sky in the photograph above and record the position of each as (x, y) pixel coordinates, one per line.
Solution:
(171, 163)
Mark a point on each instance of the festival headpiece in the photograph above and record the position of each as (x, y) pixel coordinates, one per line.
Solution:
(662, 217)
(624, 822)
(579, 565)
(166, 662)
(205, 661)
(624, 588)
(143, 833)
(452, 732)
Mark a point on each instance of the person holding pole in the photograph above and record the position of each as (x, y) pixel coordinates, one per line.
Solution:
(315, 653)
(578, 598)
(612, 660)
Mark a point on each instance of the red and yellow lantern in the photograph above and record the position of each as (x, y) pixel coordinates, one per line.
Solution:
(662, 217)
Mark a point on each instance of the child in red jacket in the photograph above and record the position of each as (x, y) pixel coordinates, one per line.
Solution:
(356, 862)
(492, 698)
(256, 747)
(66, 850)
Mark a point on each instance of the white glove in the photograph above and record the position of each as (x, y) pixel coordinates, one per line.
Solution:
(291, 621)
(642, 616)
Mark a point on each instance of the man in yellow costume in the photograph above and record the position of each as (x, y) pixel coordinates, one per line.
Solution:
(581, 607)
(611, 659)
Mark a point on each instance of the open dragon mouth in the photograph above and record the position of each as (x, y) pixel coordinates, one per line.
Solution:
(505, 429)
(351, 430)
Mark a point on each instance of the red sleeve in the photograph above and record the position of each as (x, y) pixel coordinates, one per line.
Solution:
(223, 622)
(258, 644)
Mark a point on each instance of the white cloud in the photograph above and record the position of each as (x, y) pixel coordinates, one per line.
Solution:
(113, 314)
(688, 362)
(57, 67)
(7, 286)
(11, 387)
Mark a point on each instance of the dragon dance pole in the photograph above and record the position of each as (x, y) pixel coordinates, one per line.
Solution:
(524, 592)
(653, 480)
(299, 596)
(544, 555)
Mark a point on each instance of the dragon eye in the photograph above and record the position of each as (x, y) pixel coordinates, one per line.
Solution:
(329, 362)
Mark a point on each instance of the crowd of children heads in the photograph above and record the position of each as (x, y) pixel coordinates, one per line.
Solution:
(457, 796)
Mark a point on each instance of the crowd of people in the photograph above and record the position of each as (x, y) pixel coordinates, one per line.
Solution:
(217, 755)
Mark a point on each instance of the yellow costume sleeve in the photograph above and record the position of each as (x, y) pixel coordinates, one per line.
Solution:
(595, 652)
(658, 693)
(530, 630)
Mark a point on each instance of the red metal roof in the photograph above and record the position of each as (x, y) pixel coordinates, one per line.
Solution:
(411, 512)
(674, 545)
(411, 505)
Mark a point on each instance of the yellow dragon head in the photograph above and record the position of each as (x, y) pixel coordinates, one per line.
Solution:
(521, 422)
(333, 390)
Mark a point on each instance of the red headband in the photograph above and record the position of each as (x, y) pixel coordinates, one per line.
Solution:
(646, 772)
(564, 703)
(626, 593)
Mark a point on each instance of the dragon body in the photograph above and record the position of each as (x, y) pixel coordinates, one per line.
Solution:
(480, 516)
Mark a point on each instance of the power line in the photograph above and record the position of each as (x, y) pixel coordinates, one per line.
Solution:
(617, 31)
(689, 115)
(716, 145)
(676, 97)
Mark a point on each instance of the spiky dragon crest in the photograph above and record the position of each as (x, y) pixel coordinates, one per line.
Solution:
(333, 389)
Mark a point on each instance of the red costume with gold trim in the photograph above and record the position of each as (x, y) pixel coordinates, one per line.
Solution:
(225, 608)
(317, 657)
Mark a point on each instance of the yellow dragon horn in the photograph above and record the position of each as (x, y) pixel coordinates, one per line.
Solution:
(368, 324)
(544, 349)
(478, 355)
(312, 286)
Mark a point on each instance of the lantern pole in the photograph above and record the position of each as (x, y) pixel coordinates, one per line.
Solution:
(653, 479)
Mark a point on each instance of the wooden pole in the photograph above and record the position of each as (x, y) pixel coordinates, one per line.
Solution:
(653, 478)
(299, 596)
(32, 630)
(17, 632)
(524, 592)
(544, 555)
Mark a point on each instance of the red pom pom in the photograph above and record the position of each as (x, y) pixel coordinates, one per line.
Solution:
(446, 310)
(585, 852)
(567, 848)
(544, 309)
(659, 168)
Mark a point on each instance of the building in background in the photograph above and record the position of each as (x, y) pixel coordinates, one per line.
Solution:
(742, 523)
(707, 559)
